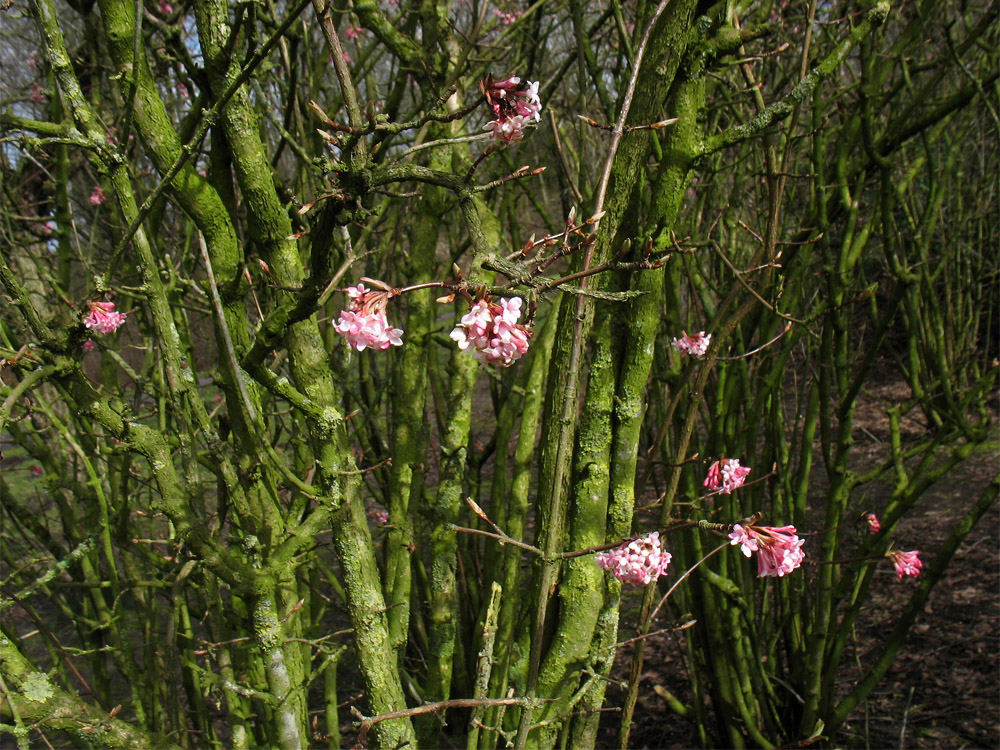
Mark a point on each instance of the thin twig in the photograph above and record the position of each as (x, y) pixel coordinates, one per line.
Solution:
(680, 580)
(501, 537)
(367, 722)
(676, 629)
(754, 292)
(563, 161)
(358, 472)
(787, 328)
(224, 328)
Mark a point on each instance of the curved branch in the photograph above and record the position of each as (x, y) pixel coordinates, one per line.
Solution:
(803, 89)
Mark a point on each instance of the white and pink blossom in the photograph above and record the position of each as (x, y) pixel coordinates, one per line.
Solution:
(513, 107)
(508, 130)
(364, 325)
(907, 563)
(491, 331)
(103, 317)
(696, 344)
(726, 475)
(97, 196)
(779, 550)
(641, 561)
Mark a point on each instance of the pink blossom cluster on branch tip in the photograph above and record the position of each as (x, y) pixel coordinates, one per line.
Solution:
(696, 344)
(726, 475)
(491, 331)
(641, 561)
(779, 550)
(364, 324)
(103, 317)
(97, 196)
(513, 107)
(907, 563)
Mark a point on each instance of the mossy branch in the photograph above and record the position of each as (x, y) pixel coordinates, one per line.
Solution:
(36, 699)
(778, 111)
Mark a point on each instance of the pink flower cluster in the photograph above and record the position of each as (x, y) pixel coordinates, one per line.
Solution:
(506, 17)
(103, 317)
(513, 108)
(907, 563)
(492, 331)
(364, 324)
(726, 475)
(779, 550)
(696, 344)
(97, 197)
(641, 561)
(874, 525)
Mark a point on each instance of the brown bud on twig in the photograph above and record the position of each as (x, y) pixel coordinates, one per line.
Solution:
(318, 112)
(328, 137)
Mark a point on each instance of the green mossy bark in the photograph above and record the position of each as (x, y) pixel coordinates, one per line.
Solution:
(192, 192)
(581, 589)
(31, 697)
(448, 502)
(659, 68)
(201, 201)
(409, 436)
(629, 415)
(517, 506)
(173, 497)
